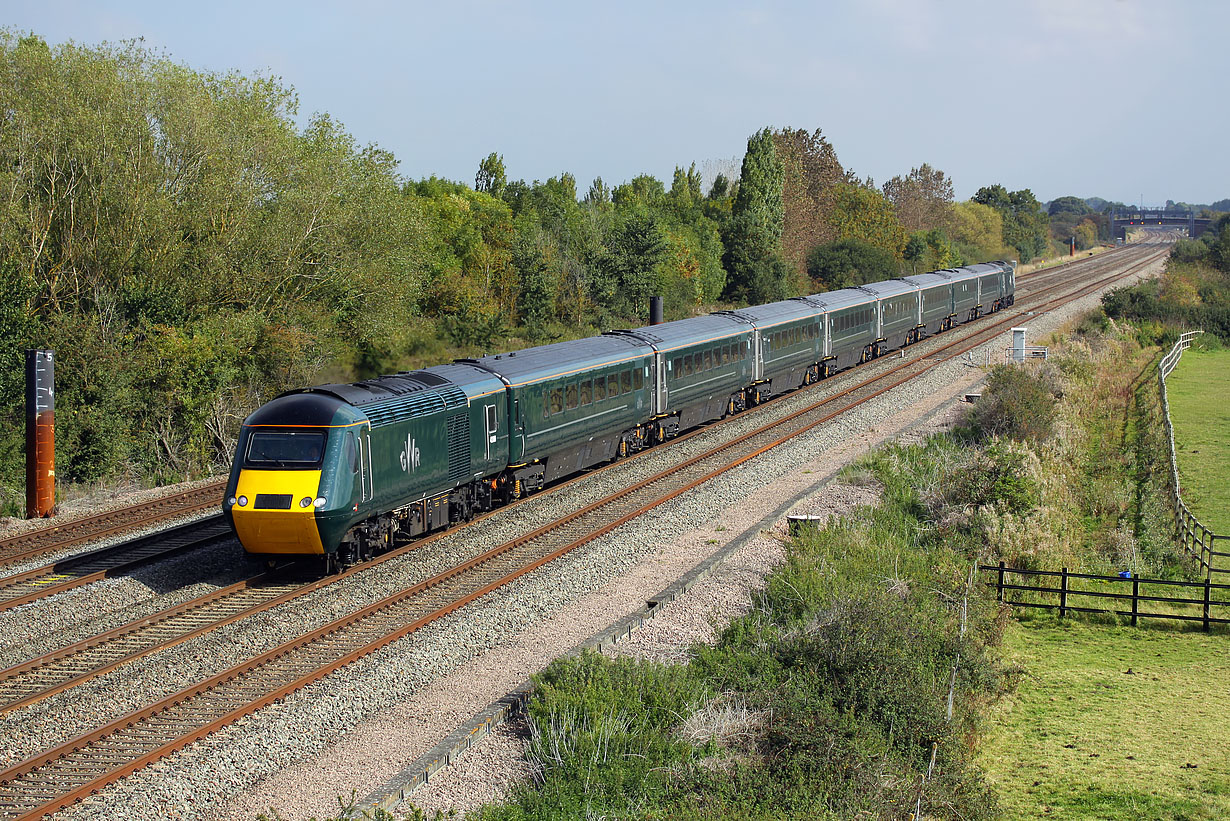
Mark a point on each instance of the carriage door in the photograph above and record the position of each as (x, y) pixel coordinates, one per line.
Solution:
(492, 427)
(364, 442)
(518, 431)
(757, 356)
(659, 383)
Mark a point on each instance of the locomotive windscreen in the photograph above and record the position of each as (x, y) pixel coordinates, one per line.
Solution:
(285, 449)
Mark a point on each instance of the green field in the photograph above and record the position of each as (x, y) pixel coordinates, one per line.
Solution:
(1199, 391)
(1083, 738)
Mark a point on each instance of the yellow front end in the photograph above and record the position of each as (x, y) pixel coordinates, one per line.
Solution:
(277, 530)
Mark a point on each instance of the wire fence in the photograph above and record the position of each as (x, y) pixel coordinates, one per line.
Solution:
(1197, 539)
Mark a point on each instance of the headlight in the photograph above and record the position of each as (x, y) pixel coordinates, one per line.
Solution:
(230, 502)
(306, 501)
(320, 501)
(243, 501)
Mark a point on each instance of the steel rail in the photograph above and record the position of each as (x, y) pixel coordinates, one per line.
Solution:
(138, 738)
(41, 582)
(64, 534)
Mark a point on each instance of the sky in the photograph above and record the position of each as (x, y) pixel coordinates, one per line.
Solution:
(1121, 99)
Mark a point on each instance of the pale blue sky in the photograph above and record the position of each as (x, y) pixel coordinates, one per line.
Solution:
(1062, 96)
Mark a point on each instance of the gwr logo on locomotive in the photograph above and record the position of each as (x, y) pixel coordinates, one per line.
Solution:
(410, 456)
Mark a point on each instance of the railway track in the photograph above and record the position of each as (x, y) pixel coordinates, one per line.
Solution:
(59, 777)
(60, 536)
(61, 669)
(31, 585)
(75, 532)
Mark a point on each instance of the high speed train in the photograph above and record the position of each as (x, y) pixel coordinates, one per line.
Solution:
(339, 471)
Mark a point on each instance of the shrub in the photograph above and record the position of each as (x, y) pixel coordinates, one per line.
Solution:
(1018, 403)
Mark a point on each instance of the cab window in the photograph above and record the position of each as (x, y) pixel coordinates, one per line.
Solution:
(285, 449)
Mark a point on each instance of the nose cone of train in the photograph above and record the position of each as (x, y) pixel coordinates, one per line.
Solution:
(273, 520)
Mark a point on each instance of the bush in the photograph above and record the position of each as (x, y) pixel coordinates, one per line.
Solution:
(1018, 403)
(848, 263)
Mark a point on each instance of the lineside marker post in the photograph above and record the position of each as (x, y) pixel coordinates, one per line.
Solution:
(40, 434)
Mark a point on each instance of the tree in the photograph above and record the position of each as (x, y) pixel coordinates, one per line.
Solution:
(1025, 228)
(1068, 205)
(599, 194)
(922, 199)
(863, 213)
(491, 178)
(978, 232)
(753, 238)
(810, 172)
(848, 263)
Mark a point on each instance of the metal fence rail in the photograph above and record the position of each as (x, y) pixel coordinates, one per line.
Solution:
(1198, 540)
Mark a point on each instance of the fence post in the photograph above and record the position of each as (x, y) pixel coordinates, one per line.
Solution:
(1206, 605)
(999, 586)
(1135, 598)
(1063, 593)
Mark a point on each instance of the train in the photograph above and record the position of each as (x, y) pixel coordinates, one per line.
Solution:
(342, 471)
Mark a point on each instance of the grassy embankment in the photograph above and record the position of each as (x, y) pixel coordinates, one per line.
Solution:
(1198, 389)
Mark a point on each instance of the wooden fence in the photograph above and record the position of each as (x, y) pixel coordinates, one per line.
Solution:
(1075, 593)
(1197, 539)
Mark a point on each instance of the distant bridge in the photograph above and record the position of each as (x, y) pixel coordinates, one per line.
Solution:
(1122, 221)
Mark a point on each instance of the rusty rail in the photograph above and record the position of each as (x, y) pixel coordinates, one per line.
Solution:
(73, 532)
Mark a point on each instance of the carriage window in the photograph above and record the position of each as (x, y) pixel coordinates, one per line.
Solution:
(557, 400)
(708, 360)
(586, 392)
(687, 365)
(612, 386)
(638, 378)
(570, 396)
(625, 382)
(725, 354)
(677, 367)
(599, 389)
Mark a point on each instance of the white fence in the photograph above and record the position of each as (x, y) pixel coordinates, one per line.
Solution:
(1197, 539)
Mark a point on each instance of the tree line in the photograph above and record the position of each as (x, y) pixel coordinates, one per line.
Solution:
(190, 251)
